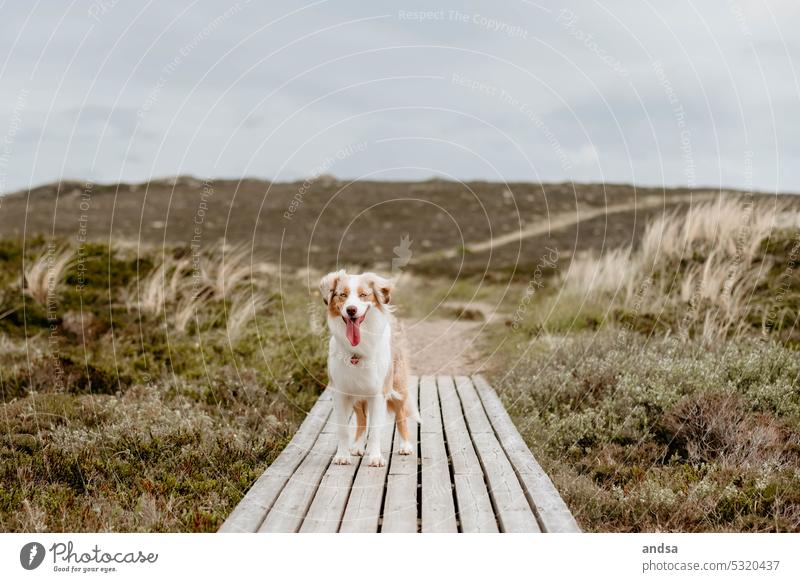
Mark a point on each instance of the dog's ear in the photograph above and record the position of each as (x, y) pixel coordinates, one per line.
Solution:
(327, 285)
(382, 287)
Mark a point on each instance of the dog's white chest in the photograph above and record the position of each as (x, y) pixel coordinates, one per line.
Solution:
(362, 378)
(359, 374)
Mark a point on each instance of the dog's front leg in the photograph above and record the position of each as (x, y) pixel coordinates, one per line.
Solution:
(342, 406)
(376, 413)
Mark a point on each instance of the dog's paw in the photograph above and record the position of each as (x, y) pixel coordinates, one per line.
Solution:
(377, 461)
(341, 460)
(357, 450)
(405, 449)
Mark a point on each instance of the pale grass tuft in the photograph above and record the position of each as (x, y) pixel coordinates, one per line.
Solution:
(164, 285)
(151, 291)
(705, 265)
(728, 226)
(8, 346)
(243, 308)
(46, 273)
(226, 271)
(179, 280)
(187, 290)
(186, 311)
(600, 275)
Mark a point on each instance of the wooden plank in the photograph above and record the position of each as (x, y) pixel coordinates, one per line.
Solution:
(474, 506)
(459, 442)
(400, 505)
(553, 513)
(496, 481)
(472, 497)
(292, 505)
(362, 514)
(473, 407)
(327, 508)
(249, 514)
(514, 513)
(438, 508)
(429, 405)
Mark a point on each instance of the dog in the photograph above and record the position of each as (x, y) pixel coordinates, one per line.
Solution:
(367, 364)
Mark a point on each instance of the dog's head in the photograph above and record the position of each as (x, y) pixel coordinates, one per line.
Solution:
(350, 298)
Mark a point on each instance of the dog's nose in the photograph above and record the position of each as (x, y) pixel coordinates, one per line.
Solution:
(351, 311)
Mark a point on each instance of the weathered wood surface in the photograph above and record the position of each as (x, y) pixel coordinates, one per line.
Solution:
(471, 472)
(472, 495)
(400, 507)
(253, 508)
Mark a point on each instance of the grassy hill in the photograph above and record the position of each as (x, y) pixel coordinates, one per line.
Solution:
(320, 222)
(160, 343)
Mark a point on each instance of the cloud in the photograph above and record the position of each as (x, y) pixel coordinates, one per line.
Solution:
(120, 96)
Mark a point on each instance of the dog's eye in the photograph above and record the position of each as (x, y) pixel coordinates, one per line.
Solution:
(362, 295)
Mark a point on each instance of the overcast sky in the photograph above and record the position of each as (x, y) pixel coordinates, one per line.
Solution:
(650, 92)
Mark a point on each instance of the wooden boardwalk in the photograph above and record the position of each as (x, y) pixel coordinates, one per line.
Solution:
(472, 473)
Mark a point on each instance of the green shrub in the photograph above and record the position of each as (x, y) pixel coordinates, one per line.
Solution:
(119, 421)
(663, 435)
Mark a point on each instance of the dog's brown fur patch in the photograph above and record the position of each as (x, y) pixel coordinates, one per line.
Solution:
(361, 418)
(338, 297)
(381, 294)
(397, 381)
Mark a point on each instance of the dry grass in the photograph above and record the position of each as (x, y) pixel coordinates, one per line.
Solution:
(165, 285)
(167, 430)
(695, 273)
(731, 227)
(150, 295)
(228, 270)
(659, 385)
(244, 307)
(180, 287)
(186, 311)
(46, 273)
(165, 427)
(602, 275)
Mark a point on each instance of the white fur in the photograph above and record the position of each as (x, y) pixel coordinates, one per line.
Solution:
(364, 380)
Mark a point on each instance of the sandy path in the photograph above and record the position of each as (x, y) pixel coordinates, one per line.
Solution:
(446, 346)
(441, 346)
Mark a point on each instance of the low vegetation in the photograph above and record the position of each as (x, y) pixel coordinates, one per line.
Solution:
(144, 392)
(660, 386)
(725, 269)
(665, 435)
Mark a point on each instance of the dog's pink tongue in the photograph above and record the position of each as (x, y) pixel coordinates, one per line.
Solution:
(353, 330)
